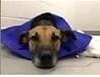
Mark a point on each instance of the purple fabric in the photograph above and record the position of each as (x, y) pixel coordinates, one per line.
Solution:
(9, 37)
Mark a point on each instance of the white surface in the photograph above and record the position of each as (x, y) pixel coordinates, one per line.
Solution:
(84, 15)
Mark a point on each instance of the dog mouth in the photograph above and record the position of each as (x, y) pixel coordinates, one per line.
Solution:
(45, 67)
(45, 61)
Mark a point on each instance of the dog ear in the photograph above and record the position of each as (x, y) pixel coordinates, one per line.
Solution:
(23, 39)
(66, 34)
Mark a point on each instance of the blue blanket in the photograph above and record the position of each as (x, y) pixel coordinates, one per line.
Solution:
(9, 37)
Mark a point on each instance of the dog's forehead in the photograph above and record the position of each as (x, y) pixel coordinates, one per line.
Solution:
(45, 29)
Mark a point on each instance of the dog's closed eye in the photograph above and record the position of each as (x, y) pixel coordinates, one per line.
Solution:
(54, 37)
(35, 37)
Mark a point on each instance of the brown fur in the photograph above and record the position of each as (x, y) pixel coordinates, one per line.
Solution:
(45, 34)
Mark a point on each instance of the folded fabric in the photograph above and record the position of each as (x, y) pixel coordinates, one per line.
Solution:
(9, 37)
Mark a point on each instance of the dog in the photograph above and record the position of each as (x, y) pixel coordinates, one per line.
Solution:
(44, 40)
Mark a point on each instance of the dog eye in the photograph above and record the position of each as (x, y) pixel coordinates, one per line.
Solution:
(55, 38)
(35, 37)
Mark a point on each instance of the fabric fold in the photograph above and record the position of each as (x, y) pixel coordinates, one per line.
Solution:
(9, 37)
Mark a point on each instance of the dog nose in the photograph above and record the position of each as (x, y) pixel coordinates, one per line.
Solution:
(46, 58)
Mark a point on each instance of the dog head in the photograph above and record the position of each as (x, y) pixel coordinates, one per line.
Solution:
(44, 42)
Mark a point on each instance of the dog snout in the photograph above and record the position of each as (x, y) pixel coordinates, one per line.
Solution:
(46, 61)
(46, 58)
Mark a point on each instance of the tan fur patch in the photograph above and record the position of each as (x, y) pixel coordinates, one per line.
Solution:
(45, 33)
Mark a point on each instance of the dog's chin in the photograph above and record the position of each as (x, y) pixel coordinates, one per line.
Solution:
(41, 65)
(45, 66)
